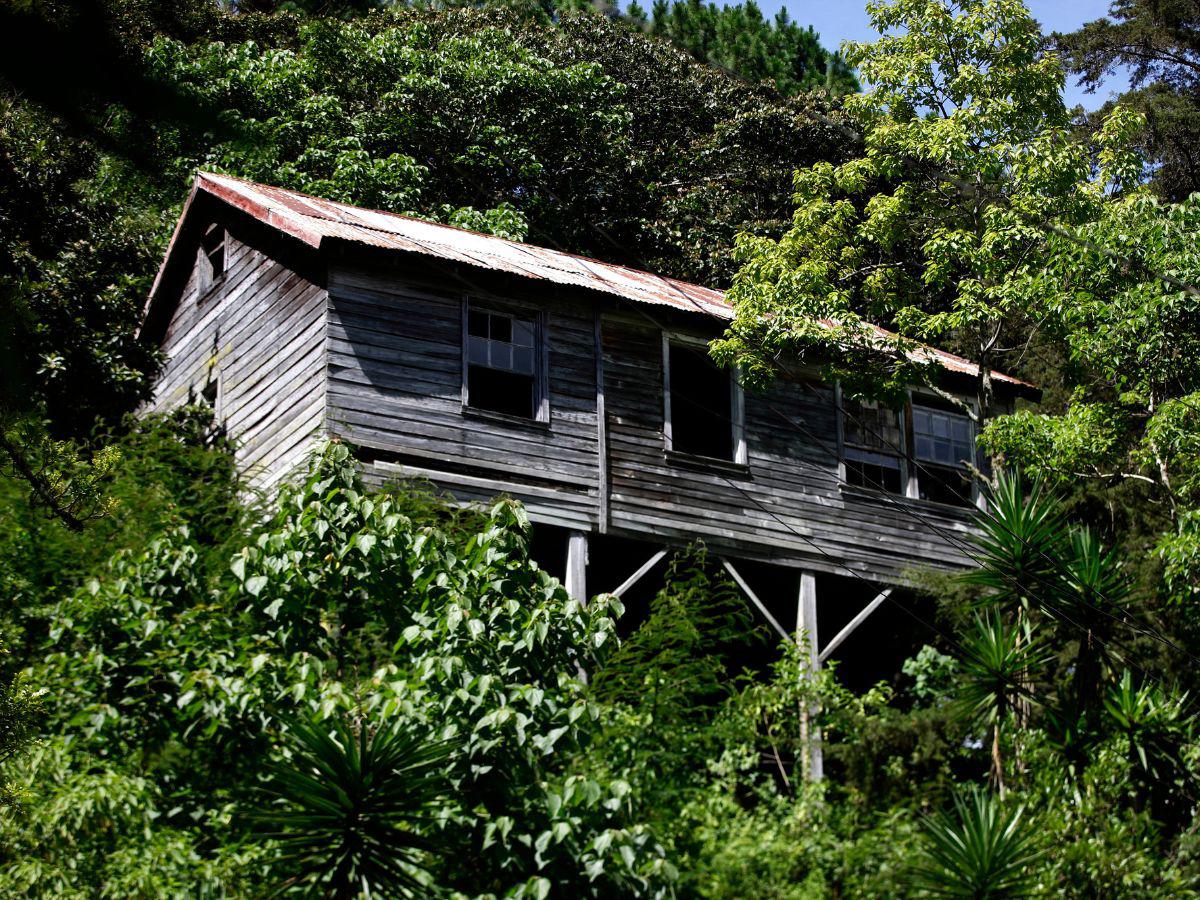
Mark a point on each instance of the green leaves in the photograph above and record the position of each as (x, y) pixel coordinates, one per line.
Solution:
(942, 225)
(1018, 541)
(388, 607)
(354, 807)
(981, 850)
(999, 664)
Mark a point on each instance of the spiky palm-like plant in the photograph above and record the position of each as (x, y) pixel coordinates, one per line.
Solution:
(1156, 727)
(353, 809)
(981, 850)
(1018, 539)
(1094, 588)
(998, 664)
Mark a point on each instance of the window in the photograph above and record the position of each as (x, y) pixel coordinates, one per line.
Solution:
(872, 445)
(943, 445)
(502, 364)
(702, 413)
(213, 247)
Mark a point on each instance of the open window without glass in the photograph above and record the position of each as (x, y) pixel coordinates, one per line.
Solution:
(212, 245)
(502, 363)
(702, 415)
(873, 445)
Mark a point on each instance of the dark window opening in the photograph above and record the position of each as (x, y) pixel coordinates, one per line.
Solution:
(942, 485)
(701, 404)
(873, 475)
(873, 444)
(213, 245)
(502, 364)
(943, 444)
(211, 393)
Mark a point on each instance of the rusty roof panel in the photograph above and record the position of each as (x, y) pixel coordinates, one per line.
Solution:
(312, 220)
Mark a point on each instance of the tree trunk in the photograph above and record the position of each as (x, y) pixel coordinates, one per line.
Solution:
(997, 762)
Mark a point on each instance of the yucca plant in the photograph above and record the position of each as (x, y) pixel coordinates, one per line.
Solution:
(1093, 590)
(981, 850)
(353, 809)
(1156, 727)
(998, 665)
(1017, 543)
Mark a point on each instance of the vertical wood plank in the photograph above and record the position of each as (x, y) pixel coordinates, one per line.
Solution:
(462, 349)
(912, 483)
(601, 432)
(577, 566)
(737, 405)
(543, 356)
(806, 629)
(839, 415)
(666, 386)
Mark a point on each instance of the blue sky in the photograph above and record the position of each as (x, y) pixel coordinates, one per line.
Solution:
(840, 20)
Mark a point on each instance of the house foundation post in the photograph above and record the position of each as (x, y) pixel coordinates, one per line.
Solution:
(577, 551)
(806, 634)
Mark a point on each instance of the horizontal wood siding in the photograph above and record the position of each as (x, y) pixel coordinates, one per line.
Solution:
(261, 331)
(395, 392)
(785, 506)
(377, 360)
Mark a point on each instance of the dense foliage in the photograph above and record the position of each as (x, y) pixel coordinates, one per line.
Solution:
(1157, 45)
(174, 679)
(374, 690)
(351, 692)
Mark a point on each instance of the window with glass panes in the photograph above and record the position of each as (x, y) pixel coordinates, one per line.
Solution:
(942, 437)
(873, 443)
(943, 444)
(502, 363)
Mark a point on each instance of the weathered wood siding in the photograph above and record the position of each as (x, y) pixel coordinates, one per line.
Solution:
(261, 331)
(395, 391)
(375, 357)
(785, 505)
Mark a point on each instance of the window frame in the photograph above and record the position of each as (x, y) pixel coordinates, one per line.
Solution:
(910, 466)
(541, 373)
(915, 398)
(850, 452)
(737, 405)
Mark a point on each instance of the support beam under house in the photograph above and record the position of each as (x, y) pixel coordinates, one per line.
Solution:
(576, 581)
(806, 632)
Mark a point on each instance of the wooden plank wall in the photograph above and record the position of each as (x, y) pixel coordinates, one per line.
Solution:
(261, 330)
(395, 391)
(786, 506)
(376, 360)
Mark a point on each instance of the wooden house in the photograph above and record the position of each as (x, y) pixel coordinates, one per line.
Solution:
(583, 389)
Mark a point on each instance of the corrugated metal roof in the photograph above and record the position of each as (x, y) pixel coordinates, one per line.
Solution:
(312, 220)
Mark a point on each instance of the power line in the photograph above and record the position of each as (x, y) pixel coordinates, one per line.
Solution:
(908, 509)
(905, 508)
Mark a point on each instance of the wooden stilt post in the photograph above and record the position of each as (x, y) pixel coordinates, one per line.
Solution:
(576, 580)
(806, 630)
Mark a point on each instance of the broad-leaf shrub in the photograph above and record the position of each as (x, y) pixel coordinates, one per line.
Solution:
(343, 602)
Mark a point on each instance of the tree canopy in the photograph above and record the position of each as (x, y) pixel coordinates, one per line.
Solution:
(349, 691)
(1158, 45)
